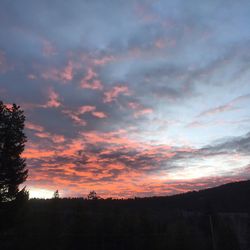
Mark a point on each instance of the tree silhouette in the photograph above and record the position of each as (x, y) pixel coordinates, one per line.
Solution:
(92, 196)
(13, 170)
(56, 195)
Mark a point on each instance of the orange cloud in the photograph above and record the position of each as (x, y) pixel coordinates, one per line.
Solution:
(108, 172)
(55, 138)
(32, 153)
(111, 163)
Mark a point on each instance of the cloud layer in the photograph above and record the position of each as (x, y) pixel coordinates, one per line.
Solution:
(129, 97)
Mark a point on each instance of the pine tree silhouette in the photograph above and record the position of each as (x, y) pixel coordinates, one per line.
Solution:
(13, 170)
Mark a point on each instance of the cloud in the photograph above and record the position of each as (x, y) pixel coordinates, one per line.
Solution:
(85, 109)
(67, 73)
(99, 114)
(75, 117)
(54, 138)
(34, 127)
(53, 100)
(219, 109)
(226, 107)
(109, 88)
(104, 60)
(139, 109)
(114, 162)
(61, 74)
(90, 81)
(239, 144)
(111, 95)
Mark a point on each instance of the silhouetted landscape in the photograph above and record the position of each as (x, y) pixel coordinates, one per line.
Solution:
(215, 218)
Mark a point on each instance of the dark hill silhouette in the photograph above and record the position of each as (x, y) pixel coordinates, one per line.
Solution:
(214, 218)
(230, 197)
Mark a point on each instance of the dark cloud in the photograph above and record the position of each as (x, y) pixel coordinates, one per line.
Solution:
(239, 145)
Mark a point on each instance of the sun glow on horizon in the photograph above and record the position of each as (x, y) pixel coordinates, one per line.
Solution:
(40, 193)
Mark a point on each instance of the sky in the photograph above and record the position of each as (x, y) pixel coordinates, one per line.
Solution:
(129, 98)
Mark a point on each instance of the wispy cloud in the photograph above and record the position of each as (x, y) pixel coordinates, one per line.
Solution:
(226, 107)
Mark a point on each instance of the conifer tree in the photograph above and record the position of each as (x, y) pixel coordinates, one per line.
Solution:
(13, 170)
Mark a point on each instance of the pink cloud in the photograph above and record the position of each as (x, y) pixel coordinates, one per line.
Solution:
(99, 114)
(112, 95)
(142, 112)
(85, 109)
(74, 116)
(67, 73)
(53, 102)
(90, 74)
(33, 126)
(53, 99)
(90, 81)
(92, 110)
(139, 109)
(96, 85)
(134, 105)
(62, 75)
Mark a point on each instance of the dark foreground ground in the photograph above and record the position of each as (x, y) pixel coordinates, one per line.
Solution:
(212, 219)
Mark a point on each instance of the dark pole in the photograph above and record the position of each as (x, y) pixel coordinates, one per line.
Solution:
(212, 232)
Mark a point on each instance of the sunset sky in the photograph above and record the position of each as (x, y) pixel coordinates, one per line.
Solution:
(129, 98)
